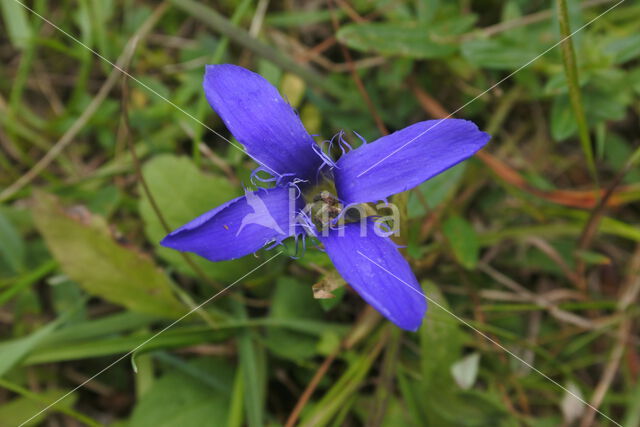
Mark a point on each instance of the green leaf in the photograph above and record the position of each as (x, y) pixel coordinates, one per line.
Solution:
(463, 240)
(496, 54)
(400, 39)
(180, 399)
(83, 247)
(12, 245)
(441, 344)
(182, 193)
(292, 302)
(563, 122)
(16, 23)
(12, 352)
(624, 49)
(440, 340)
(16, 411)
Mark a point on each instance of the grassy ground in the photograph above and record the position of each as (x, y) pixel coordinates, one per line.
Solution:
(531, 249)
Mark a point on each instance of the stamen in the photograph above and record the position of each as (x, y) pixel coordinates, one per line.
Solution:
(323, 156)
(295, 183)
(364, 141)
(255, 177)
(342, 142)
(299, 254)
(307, 223)
(282, 177)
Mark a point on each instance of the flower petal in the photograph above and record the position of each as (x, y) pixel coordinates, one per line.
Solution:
(258, 117)
(238, 227)
(405, 159)
(372, 265)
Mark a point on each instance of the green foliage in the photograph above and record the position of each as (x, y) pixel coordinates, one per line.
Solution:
(292, 301)
(442, 340)
(434, 192)
(406, 39)
(497, 54)
(463, 240)
(511, 247)
(12, 249)
(15, 350)
(17, 23)
(185, 399)
(17, 410)
(89, 255)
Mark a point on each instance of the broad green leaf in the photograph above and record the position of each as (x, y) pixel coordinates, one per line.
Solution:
(296, 19)
(182, 193)
(496, 54)
(426, 10)
(181, 399)
(463, 240)
(624, 49)
(17, 411)
(399, 39)
(292, 302)
(440, 340)
(563, 123)
(86, 252)
(441, 344)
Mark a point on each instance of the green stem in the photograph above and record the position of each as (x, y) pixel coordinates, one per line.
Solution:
(571, 72)
(221, 48)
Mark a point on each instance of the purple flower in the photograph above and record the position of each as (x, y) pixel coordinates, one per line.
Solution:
(273, 135)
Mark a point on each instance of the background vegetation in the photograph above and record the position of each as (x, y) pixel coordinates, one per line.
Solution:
(534, 243)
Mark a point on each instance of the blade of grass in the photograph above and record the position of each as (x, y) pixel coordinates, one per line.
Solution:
(219, 23)
(82, 120)
(27, 280)
(348, 384)
(571, 72)
(253, 396)
(59, 407)
(221, 48)
(16, 24)
(237, 398)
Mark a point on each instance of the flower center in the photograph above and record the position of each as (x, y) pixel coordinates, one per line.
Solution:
(325, 210)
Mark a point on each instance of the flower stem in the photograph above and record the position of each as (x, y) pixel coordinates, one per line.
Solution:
(571, 72)
(218, 54)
